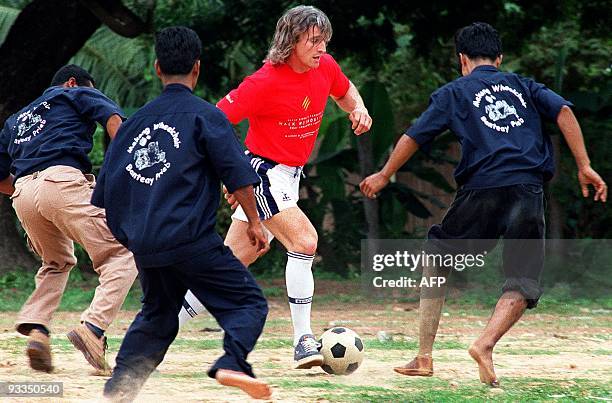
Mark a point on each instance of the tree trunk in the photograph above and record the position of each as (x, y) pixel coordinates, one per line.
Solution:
(556, 218)
(13, 253)
(43, 38)
(366, 167)
(45, 35)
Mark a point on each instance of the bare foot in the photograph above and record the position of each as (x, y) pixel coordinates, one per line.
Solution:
(255, 388)
(420, 366)
(484, 358)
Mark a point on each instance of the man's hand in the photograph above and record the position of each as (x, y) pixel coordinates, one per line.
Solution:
(231, 199)
(361, 120)
(255, 231)
(258, 237)
(587, 176)
(373, 184)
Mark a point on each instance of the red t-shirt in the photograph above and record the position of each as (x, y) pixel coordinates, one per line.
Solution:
(284, 108)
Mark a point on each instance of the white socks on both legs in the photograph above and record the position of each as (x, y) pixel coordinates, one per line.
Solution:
(191, 308)
(300, 289)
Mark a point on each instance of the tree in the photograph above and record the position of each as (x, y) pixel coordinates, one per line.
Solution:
(31, 53)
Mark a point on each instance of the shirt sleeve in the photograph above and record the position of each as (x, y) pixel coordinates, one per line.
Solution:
(225, 153)
(241, 102)
(340, 83)
(5, 158)
(434, 121)
(97, 197)
(95, 105)
(547, 102)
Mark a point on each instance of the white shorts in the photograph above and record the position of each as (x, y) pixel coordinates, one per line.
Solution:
(279, 189)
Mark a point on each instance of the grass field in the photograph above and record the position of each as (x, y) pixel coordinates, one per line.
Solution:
(559, 352)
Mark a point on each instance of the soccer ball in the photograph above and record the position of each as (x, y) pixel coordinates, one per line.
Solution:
(342, 349)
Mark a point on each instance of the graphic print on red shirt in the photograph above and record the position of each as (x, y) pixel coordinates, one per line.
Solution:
(284, 108)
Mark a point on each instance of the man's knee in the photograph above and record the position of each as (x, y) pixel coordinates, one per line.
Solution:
(522, 290)
(61, 265)
(306, 243)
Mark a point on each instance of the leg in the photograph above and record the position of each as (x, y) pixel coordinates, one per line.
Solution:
(525, 229)
(508, 311)
(295, 231)
(57, 254)
(430, 310)
(229, 292)
(86, 224)
(240, 245)
(460, 226)
(56, 251)
(156, 324)
(65, 194)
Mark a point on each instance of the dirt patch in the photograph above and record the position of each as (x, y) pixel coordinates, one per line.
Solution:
(551, 348)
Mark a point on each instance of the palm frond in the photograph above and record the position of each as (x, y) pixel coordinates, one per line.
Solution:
(8, 15)
(122, 67)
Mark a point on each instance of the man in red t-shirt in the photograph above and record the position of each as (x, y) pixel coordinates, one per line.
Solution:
(284, 102)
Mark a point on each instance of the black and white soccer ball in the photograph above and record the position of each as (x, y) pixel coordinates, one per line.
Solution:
(342, 349)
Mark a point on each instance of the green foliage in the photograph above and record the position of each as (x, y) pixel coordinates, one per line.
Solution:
(396, 54)
(578, 67)
(8, 15)
(122, 67)
(16, 286)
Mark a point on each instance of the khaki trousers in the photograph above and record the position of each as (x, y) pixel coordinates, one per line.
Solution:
(54, 207)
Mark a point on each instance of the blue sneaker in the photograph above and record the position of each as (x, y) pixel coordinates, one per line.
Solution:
(306, 354)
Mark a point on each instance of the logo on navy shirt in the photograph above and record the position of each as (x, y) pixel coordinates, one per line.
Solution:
(149, 154)
(499, 114)
(30, 123)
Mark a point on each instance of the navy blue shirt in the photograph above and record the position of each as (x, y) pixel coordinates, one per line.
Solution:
(56, 129)
(497, 118)
(160, 182)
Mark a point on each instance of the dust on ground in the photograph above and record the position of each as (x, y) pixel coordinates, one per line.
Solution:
(559, 348)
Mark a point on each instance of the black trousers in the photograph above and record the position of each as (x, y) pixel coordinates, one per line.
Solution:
(227, 290)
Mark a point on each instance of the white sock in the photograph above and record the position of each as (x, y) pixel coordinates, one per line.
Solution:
(191, 308)
(300, 289)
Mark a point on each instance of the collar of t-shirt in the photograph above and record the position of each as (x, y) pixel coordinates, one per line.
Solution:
(484, 68)
(177, 87)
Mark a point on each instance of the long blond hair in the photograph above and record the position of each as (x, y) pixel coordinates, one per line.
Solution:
(291, 25)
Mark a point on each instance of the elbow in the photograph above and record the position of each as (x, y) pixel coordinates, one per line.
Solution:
(564, 112)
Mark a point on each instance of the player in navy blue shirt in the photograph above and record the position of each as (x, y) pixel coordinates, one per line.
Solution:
(44, 151)
(56, 129)
(160, 185)
(505, 159)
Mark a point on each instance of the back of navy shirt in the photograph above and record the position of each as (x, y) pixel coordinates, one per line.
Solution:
(497, 118)
(56, 129)
(160, 182)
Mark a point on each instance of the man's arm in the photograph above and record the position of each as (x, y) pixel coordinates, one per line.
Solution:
(568, 124)
(246, 197)
(112, 125)
(6, 185)
(404, 149)
(352, 103)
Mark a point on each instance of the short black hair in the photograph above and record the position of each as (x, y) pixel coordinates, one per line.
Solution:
(478, 40)
(177, 49)
(82, 76)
